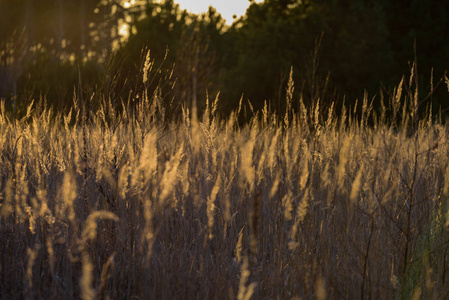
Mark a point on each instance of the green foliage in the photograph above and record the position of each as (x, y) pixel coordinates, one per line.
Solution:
(366, 45)
(427, 265)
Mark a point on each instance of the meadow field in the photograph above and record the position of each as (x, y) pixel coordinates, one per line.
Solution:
(314, 203)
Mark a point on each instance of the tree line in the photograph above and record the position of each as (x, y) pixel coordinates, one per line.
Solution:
(337, 50)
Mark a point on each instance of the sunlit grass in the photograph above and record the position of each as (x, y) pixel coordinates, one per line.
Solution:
(311, 204)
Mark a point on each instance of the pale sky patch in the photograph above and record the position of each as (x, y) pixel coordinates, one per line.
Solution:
(227, 8)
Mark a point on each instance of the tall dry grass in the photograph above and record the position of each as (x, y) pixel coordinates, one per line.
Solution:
(313, 204)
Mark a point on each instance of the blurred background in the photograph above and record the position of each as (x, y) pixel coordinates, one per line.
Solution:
(337, 49)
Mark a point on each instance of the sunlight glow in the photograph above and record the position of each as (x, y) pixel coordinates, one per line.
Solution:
(227, 8)
(124, 30)
(128, 4)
